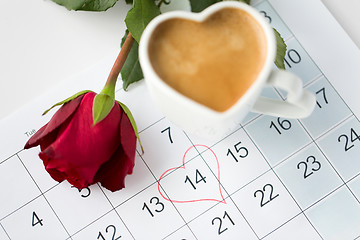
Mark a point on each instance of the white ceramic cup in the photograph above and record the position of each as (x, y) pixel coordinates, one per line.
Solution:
(204, 122)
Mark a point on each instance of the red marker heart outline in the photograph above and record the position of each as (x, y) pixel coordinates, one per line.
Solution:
(222, 200)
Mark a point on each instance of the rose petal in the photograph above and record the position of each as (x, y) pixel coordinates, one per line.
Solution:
(127, 137)
(63, 114)
(81, 148)
(112, 174)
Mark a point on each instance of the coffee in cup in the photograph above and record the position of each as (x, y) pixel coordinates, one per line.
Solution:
(213, 62)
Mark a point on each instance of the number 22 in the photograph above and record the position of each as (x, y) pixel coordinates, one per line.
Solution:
(262, 192)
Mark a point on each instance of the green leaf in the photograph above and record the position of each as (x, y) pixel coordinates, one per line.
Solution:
(132, 121)
(199, 5)
(67, 100)
(131, 71)
(87, 5)
(280, 50)
(102, 106)
(139, 16)
(244, 1)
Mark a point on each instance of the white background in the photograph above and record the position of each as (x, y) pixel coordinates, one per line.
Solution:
(43, 44)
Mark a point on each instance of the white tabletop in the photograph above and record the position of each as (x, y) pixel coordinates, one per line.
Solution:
(43, 44)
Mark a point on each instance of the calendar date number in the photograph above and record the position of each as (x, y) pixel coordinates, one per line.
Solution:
(280, 125)
(349, 140)
(110, 231)
(239, 153)
(84, 192)
(266, 194)
(154, 206)
(221, 223)
(199, 178)
(36, 220)
(309, 166)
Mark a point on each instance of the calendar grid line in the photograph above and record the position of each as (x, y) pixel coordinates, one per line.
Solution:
(275, 173)
(42, 194)
(158, 182)
(283, 224)
(169, 235)
(215, 175)
(285, 187)
(154, 123)
(313, 62)
(4, 230)
(272, 160)
(251, 120)
(89, 224)
(292, 154)
(337, 172)
(331, 164)
(180, 166)
(218, 141)
(56, 215)
(19, 208)
(343, 100)
(248, 183)
(27, 170)
(334, 127)
(258, 3)
(318, 147)
(16, 153)
(246, 220)
(222, 186)
(302, 210)
(177, 210)
(142, 190)
(114, 209)
(136, 194)
(314, 80)
(325, 196)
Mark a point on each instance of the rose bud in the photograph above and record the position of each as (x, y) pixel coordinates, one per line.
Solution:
(90, 139)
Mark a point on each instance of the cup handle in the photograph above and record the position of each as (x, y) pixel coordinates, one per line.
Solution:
(299, 102)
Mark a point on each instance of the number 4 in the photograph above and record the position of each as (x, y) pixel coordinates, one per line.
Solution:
(36, 220)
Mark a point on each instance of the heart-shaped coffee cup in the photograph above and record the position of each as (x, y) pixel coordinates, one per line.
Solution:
(206, 70)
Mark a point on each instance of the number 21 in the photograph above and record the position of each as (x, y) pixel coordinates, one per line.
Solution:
(221, 229)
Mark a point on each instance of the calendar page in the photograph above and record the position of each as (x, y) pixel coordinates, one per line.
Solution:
(272, 178)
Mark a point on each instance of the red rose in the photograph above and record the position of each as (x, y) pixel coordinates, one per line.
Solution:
(75, 149)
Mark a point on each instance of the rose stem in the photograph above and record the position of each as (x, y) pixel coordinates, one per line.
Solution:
(120, 60)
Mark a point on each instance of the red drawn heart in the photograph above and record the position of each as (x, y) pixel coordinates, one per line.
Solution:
(221, 200)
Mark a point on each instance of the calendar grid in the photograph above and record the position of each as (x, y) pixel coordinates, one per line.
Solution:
(267, 174)
(223, 187)
(114, 209)
(177, 210)
(19, 208)
(42, 194)
(4, 231)
(272, 170)
(157, 182)
(339, 175)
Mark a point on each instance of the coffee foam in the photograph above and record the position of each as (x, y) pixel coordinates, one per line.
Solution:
(213, 62)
